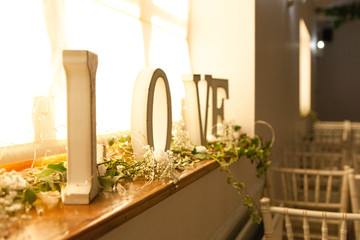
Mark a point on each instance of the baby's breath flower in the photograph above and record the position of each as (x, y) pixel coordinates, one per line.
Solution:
(211, 138)
(201, 149)
(236, 134)
(13, 207)
(160, 155)
(180, 138)
(12, 185)
(12, 180)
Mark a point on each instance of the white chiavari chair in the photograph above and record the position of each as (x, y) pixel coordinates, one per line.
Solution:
(354, 189)
(308, 228)
(315, 159)
(311, 188)
(356, 161)
(355, 134)
(332, 132)
(314, 146)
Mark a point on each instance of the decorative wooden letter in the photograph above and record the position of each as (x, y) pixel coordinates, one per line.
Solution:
(196, 119)
(197, 106)
(217, 112)
(151, 117)
(82, 179)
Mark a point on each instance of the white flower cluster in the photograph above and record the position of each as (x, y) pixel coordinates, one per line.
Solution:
(11, 183)
(180, 139)
(227, 134)
(201, 149)
(160, 164)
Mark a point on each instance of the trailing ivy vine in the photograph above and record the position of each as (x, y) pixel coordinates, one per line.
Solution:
(342, 13)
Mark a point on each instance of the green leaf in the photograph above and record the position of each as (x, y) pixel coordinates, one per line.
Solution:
(236, 151)
(44, 174)
(247, 201)
(255, 141)
(108, 183)
(111, 142)
(194, 151)
(112, 172)
(58, 167)
(256, 218)
(44, 187)
(240, 186)
(229, 180)
(230, 153)
(57, 187)
(237, 127)
(30, 195)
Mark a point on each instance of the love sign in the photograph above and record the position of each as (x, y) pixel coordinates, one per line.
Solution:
(151, 112)
(198, 97)
(151, 117)
(82, 183)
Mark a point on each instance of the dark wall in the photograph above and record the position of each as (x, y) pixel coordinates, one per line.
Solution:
(338, 72)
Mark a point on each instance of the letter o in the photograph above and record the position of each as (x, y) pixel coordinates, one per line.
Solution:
(151, 116)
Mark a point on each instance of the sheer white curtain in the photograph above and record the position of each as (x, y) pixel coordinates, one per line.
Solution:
(127, 35)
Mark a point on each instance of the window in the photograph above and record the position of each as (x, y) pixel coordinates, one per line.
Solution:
(127, 35)
(304, 69)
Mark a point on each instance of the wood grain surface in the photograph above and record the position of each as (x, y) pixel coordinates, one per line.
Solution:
(55, 220)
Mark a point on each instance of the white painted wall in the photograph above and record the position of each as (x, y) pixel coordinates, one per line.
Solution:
(277, 69)
(338, 75)
(222, 43)
(194, 213)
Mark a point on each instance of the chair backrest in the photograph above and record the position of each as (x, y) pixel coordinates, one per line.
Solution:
(305, 215)
(354, 187)
(332, 132)
(355, 134)
(312, 146)
(316, 189)
(315, 159)
(355, 157)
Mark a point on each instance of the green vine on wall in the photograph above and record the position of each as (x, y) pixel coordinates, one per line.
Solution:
(256, 152)
(342, 13)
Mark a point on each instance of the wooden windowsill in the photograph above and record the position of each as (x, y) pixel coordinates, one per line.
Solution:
(106, 211)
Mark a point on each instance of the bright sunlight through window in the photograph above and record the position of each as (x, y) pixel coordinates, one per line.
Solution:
(127, 35)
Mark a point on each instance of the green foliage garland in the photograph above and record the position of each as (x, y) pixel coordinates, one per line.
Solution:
(342, 13)
(120, 166)
(19, 191)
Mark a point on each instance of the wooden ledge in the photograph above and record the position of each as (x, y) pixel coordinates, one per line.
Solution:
(106, 212)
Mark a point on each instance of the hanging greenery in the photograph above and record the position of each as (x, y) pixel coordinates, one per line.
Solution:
(342, 13)
(120, 166)
(19, 190)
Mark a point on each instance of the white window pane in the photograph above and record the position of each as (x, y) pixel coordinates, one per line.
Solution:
(170, 52)
(117, 39)
(120, 32)
(25, 72)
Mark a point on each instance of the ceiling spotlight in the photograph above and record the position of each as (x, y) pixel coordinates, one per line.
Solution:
(320, 44)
